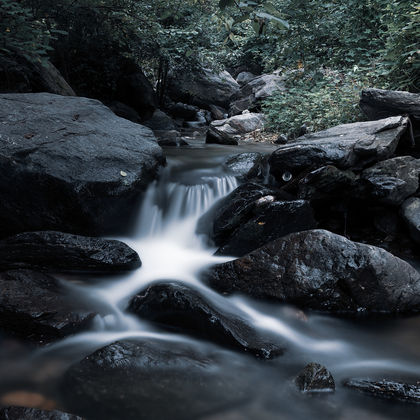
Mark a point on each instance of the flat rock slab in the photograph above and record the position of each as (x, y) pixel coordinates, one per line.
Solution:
(385, 389)
(345, 146)
(180, 308)
(63, 252)
(22, 413)
(393, 180)
(320, 270)
(35, 307)
(70, 164)
(154, 379)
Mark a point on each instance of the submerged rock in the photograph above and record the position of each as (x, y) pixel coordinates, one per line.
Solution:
(245, 166)
(63, 252)
(345, 146)
(185, 310)
(315, 378)
(154, 379)
(410, 212)
(34, 306)
(393, 180)
(22, 413)
(323, 271)
(70, 164)
(390, 390)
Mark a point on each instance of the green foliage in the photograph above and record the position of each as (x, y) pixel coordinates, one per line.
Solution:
(318, 100)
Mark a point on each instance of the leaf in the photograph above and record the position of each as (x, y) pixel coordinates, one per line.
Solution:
(256, 26)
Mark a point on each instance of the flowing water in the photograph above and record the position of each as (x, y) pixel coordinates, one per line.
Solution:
(165, 238)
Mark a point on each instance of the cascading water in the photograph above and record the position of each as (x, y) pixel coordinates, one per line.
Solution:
(165, 238)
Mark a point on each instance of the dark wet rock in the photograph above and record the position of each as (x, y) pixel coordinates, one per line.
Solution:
(160, 122)
(245, 166)
(386, 389)
(22, 413)
(124, 111)
(21, 74)
(154, 379)
(35, 307)
(281, 139)
(269, 220)
(393, 180)
(202, 88)
(323, 271)
(69, 164)
(232, 129)
(326, 182)
(256, 90)
(218, 113)
(387, 221)
(345, 146)
(245, 77)
(410, 212)
(183, 111)
(180, 308)
(378, 103)
(315, 378)
(63, 252)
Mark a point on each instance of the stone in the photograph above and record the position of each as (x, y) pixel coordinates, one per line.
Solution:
(315, 378)
(245, 77)
(245, 166)
(124, 111)
(63, 252)
(386, 389)
(154, 379)
(232, 129)
(218, 113)
(185, 310)
(160, 122)
(393, 180)
(34, 306)
(355, 145)
(22, 413)
(410, 212)
(320, 270)
(183, 111)
(202, 88)
(62, 161)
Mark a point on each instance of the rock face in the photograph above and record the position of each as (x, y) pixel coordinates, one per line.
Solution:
(21, 413)
(131, 379)
(315, 378)
(323, 271)
(62, 252)
(229, 131)
(69, 164)
(390, 390)
(202, 88)
(393, 180)
(253, 92)
(378, 103)
(345, 146)
(33, 306)
(180, 308)
(245, 166)
(410, 211)
(18, 74)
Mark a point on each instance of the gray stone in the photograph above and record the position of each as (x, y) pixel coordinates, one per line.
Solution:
(160, 122)
(245, 166)
(69, 164)
(315, 378)
(245, 77)
(22, 413)
(410, 212)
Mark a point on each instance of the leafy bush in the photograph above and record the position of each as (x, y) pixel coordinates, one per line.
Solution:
(319, 100)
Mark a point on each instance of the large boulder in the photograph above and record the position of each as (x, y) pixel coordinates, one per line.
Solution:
(345, 146)
(230, 130)
(379, 103)
(63, 252)
(244, 77)
(180, 308)
(22, 413)
(160, 122)
(254, 92)
(154, 379)
(410, 212)
(23, 74)
(245, 166)
(323, 271)
(393, 180)
(202, 88)
(34, 306)
(69, 164)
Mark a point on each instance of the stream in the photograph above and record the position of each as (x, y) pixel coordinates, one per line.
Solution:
(165, 237)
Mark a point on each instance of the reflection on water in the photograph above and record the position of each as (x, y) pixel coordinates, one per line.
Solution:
(166, 240)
